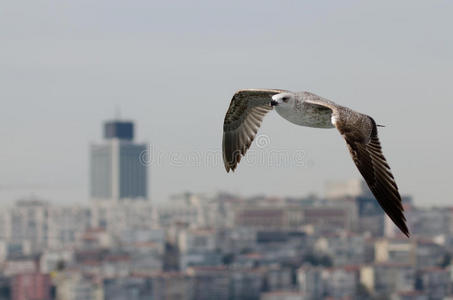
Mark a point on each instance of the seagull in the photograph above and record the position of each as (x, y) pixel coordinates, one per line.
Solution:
(248, 108)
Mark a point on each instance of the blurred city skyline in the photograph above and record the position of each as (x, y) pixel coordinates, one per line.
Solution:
(173, 68)
(227, 247)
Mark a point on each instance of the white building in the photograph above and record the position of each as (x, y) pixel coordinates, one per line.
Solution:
(349, 188)
(283, 295)
(121, 219)
(318, 282)
(52, 260)
(197, 240)
(66, 223)
(29, 221)
(40, 225)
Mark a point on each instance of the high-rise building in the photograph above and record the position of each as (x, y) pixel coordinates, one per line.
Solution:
(117, 168)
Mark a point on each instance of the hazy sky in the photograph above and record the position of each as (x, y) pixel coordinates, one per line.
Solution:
(173, 67)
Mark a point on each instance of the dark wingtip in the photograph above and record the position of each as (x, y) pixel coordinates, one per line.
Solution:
(404, 229)
(229, 168)
(407, 233)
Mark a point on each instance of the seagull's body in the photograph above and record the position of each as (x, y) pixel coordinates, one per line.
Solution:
(248, 107)
(304, 113)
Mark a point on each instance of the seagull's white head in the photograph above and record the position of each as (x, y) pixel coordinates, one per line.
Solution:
(283, 101)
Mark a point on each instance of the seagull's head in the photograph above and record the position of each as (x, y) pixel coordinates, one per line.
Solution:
(283, 101)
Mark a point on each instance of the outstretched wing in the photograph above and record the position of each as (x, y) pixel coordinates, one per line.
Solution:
(242, 120)
(360, 133)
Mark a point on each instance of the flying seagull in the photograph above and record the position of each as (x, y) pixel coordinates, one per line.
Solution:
(248, 107)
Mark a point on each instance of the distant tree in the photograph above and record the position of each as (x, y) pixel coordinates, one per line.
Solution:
(382, 296)
(228, 259)
(363, 292)
(61, 265)
(325, 261)
(446, 260)
(171, 257)
(418, 282)
(245, 251)
(318, 260)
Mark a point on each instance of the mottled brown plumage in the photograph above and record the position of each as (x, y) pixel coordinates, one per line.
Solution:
(361, 136)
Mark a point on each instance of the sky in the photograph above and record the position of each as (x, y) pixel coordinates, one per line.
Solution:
(173, 66)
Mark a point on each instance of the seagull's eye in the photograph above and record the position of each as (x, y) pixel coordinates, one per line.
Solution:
(285, 99)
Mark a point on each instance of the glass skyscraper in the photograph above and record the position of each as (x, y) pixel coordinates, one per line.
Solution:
(117, 171)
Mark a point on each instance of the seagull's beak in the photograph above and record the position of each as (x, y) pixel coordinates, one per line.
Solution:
(274, 102)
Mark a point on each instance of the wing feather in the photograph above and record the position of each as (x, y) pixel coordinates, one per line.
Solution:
(242, 121)
(360, 133)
